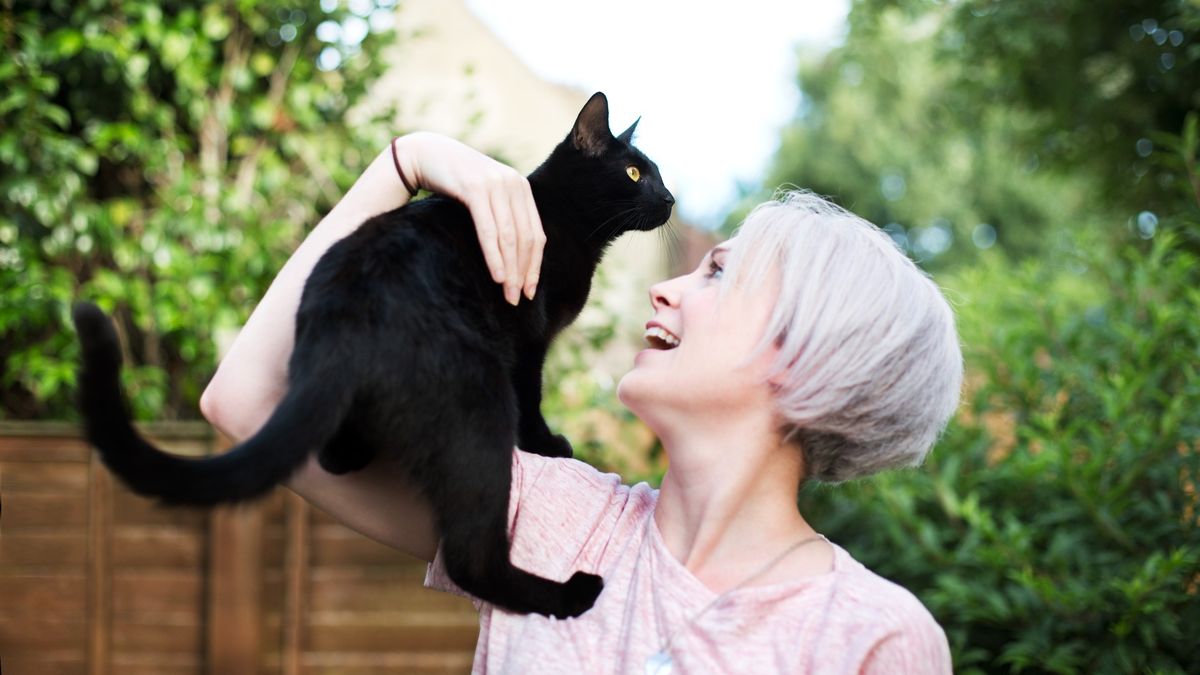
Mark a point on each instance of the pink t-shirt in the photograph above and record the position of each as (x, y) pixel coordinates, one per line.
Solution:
(565, 516)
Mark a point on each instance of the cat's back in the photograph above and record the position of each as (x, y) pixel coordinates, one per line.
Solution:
(428, 246)
(416, 271)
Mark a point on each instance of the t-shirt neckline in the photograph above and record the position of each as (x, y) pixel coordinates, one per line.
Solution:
(662, 557)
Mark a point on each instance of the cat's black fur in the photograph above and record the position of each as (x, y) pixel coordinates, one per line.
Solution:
(406, 351)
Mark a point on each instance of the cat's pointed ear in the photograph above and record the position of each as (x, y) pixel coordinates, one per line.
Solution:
(591, 134)
(627, 135)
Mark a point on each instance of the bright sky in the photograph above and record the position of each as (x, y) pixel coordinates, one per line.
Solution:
(712, 81)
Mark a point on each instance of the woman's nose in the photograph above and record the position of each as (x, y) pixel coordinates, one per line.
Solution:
(664, 294)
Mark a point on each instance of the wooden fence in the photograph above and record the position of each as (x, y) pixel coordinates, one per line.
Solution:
(96, 580)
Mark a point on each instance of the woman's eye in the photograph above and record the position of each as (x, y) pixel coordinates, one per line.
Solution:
(714, 270)
(633, 172)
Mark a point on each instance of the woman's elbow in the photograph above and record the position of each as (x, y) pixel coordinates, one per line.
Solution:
(208, 405)
(231, 414)
(213, 410)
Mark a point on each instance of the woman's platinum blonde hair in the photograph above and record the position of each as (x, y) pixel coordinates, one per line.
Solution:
(869, 368)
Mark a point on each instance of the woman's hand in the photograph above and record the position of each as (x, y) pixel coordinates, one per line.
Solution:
(498, 197)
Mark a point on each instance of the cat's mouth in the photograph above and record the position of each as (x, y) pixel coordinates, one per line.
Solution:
(660, 338)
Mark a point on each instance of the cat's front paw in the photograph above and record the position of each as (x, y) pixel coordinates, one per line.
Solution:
(582, 589)
(550, 445)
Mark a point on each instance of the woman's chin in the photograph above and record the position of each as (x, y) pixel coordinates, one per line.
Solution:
(623, 389)
(633, 390)
(642, 391)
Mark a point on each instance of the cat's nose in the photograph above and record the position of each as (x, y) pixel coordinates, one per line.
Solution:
(669, 199)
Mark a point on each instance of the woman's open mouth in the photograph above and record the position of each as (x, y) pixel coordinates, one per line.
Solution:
(660, 338)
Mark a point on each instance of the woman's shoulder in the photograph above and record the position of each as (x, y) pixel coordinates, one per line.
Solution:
(860, 588)
(902, 624)
(566, 479)
(562, 513)
(569, 507)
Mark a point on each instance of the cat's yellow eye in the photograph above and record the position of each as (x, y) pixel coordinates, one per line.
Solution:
(634, 174)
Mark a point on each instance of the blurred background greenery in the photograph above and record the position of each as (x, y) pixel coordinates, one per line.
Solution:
(161, 160)
(1039, 158)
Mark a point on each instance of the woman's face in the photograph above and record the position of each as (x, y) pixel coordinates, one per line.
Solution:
(699, 346)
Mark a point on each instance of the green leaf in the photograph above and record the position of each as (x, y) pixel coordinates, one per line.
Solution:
(65, 43)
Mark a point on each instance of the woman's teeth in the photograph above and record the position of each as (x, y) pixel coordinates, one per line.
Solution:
(659, 338)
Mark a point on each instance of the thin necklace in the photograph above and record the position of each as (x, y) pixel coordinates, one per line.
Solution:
(661, 663)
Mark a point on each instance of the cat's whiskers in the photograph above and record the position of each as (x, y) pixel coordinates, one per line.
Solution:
(669, 239)
(613, 202)
(619, 214)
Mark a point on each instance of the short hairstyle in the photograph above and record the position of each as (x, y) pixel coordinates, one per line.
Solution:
(869, 368)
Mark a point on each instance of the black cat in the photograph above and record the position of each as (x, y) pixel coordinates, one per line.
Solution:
(405, 350)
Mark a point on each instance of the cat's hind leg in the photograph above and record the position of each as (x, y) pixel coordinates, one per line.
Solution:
(471, 498)
(473, 518)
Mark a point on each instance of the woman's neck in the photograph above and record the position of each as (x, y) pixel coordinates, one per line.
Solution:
(727, 506)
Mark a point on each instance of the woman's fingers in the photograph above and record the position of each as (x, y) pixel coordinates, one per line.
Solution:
(485, 230)
(500, 202)
(533, 272)
(531, 239)
(516, 204)
(506, 231)
(517, 236)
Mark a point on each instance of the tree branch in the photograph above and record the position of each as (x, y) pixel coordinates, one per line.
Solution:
(247, 171)
(214, 131)
(324, 181)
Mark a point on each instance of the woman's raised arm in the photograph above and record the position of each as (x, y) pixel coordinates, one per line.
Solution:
(252, 378)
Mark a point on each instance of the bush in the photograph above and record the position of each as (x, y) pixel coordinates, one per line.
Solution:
(1056, 527)
(162, 160)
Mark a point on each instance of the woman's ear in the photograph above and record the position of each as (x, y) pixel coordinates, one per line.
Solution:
(777, 346)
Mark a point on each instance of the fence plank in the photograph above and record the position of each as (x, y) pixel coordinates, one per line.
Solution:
(150, 546)
(152, 639)
(296, 580)
(33, 634)
(41, 477)
(95, 579)
(150, 592)
(46, 663)
(235, 589)
(46, 595)
(132, 509)
(34, 449)
(42, 550)
(99, 569)
(53, 511)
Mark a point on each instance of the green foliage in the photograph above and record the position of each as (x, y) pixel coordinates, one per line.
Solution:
(886, 131)
(163, 159)
(966, 125)
(1102, 77)
(1056, 527)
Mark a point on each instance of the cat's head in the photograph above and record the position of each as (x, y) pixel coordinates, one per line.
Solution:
(619, 187)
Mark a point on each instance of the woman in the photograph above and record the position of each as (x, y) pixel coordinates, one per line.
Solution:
(806, 347)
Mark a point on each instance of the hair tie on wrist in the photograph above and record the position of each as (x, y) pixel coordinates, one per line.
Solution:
(412, 191)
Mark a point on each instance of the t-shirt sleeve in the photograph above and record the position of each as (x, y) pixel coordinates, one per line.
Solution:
(918, 647)
(561, 512)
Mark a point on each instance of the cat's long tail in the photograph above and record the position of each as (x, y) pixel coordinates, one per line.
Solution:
(306, 418)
